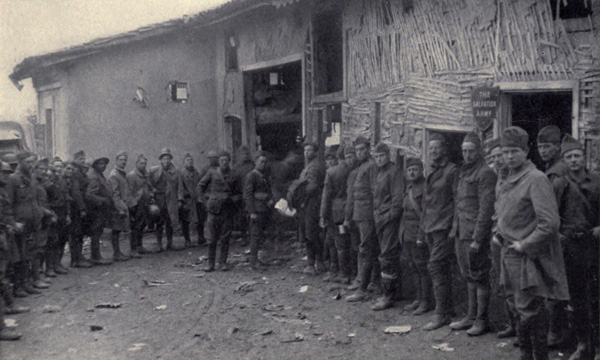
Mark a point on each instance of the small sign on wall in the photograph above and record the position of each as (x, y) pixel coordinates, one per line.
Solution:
(485, 101)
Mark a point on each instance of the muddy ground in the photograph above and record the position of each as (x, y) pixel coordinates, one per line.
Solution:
(240, 314)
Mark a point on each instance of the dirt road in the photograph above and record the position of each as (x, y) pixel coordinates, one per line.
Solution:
(241, 314)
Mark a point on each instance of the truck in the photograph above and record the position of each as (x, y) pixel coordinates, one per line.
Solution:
(15, 136)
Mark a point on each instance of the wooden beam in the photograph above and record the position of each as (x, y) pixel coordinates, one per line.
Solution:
(537, 86)
(272, 63)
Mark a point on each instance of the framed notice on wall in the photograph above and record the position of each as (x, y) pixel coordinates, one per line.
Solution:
(485, 101)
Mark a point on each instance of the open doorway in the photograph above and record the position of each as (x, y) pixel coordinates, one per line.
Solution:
(533, 111)
(275, 107)
(454, 138)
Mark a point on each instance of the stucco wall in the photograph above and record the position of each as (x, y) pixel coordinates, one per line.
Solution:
(103, 118)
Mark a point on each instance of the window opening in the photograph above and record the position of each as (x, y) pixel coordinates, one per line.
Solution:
(570, 9)
(329, 50)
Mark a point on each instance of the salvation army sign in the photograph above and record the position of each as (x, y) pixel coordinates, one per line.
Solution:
(484, 101)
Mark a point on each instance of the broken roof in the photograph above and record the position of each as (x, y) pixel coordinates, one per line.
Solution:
(29, 66)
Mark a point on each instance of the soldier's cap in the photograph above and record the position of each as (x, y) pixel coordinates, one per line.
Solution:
(141, 157)
(121, 153)
(514, 136)
(22, 155)
(349, 149)
(10, 158)
(224, 153)
(329, 153)
(361, 140)
(413, 161)
(5, 167)
(492, 145)
(99, 160)
(42, 162)
(79, 154)
(212, 154)
(311, 143)
(570, 143)
(472, 138)
(165, 152)
(381, 148)
(437, 137)
(261, 153)
(57, 159)
(549, 134)
(187, 155)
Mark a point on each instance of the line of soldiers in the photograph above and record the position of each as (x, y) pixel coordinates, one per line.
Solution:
(538, 231)
(48, 204)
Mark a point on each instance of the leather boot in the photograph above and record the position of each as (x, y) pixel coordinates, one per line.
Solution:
(185, 230)
(96, 255)
(524, 337)
(224, 253)
(133, 252)
(481, 325)
(159, 236)
(19, 290)
(426, 303)
(558, 321)
(508, 332)
(387, 300)
(11, 307)
(254, 263)
(58, 267)
(359, 295)
(344, 265)
(438, 321)
(117, 254)
(467, 321)
(540, 336)
(27, 280)
(212, 254)
(77, 257)
(38, 282)
(50, 256)
(415, 304)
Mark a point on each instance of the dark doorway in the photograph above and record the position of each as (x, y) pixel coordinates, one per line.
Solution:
(533, 111)
(275, 106)
(454, 140)
(235, 124)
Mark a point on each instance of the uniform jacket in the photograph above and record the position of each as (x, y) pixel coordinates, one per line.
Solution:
(222, 191)
(241, 170)
(474, 203)
(411, 216)
(360, 191)
(98, 191)
(557, 168)
(578, 206)
(187, 191)
(349, 210)
(529, 215)
(139, 187)
(79, 183)
(257, 193)
(314, 175)
(388, 195)
(202, 173)
(23, 195)
(166, 196)
(121, 198)
(333, 201)
(438, 200)
(58, 193)
(9, 250)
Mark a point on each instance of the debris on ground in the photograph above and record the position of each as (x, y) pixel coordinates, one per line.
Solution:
(443, 347)
(136, 347)
(96, 327)
(265, 333)
(397, 329)
(303, 289)
(232, 330)
(51, 309)
(161, 307)
(337, 296)
(271, 307)
(117, 285)
(351, 335)
(297, 338)
(283, 319)
(10, 322)
(154, 283)
(201, 259)
(108, 306)
(501, 345)
(245, 287)
(301, 316)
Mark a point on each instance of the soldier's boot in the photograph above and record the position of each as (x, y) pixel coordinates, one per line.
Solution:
(19, 290)
(467, 321)
(133, 253)
(254, 260)
(72, 252)
(310, 254)
(426, 303)
(58, 267)
(357, 280)
(223, 254)
(77, 256)
(28, 281)
(557, 315)
(387, 300)
(539, 336)
(6, 334)
(36, 265)
(212, 254)
(159, 236)
(50, 256)
(170, 244)
(415, 304)
(96, 255)
(442, 316)
(524, 338)
(9, 299)
(185, 231)
(140, 243)
(363, 277)
(344, 274)
(200, 230)
(117, 254)
(481, 324)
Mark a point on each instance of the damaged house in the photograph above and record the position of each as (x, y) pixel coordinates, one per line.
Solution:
(266, 73)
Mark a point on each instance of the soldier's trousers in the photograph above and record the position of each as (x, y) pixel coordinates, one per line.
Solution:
(581, 265)
(474, 267)
(417, 257)
(331, 232)
(309, 226)
(368, 251)
(138, 216)
(439, 266)
(219, 228)
(389, 255)
(343, 246)
(257, 233)
(164, 221)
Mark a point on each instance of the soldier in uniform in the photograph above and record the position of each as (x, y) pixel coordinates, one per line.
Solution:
(213, 163)
(330, 229)
(532, 261)
(548, 146)
(164, 181)
(100, 205)
(471, 230)
(59, 202)
(313, 175)
(79, 218)
(141, 197)
(387, 205)
(241, 169)
(222, 190)
(188, 199)
(349, 242)
(415, 255)
(360, 205)
(258, 199)
(436, 223)
(121, 198)
(579, 201)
